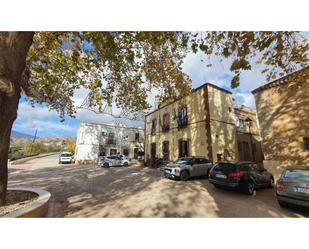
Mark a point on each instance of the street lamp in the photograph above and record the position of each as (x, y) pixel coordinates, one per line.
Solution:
(248, 120)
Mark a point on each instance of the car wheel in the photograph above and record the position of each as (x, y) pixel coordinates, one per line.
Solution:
(271, 182)
(106, 165)
(125, 164)
(184, 175)
(250, 188)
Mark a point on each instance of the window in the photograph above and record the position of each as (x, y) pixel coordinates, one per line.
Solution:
(166, 122)
(111, 138)
(102, 151)
(153, 126)
(306, 143)
(136, 137)
(219, 157)
(230, 109)
(182, 117)
(165, 150)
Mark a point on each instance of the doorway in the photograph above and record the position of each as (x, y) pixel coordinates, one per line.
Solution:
(183, 148)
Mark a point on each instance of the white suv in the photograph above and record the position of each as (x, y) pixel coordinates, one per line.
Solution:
(66, 157)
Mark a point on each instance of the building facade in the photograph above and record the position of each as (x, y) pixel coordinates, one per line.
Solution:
(95, 140)
(248, 135)
(200, 124)
(283, 114)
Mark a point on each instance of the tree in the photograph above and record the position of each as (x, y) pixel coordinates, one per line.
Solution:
(71, 146)
(123, 67)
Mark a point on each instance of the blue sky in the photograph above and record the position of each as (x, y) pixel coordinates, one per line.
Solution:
(48, 123)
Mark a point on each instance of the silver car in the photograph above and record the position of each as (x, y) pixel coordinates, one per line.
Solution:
(187, 167)
(116, 160)
(293, 186)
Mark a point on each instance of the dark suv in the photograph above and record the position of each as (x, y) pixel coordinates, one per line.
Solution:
(246, 176)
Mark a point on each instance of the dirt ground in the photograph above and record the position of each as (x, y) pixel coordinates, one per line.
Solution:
(135, 191)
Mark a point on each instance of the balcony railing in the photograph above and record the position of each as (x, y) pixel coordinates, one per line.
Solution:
(110, 142)
(165, 127)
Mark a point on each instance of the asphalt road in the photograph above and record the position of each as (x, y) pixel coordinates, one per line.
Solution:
(135, 191)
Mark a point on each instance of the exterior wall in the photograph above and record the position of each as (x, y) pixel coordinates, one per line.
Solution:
(283, 115)
(202, 125)
(92, 138)
(195, 132)
(222, 124)
(248, 132)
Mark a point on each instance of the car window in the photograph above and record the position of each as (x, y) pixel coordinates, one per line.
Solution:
(298, 174)
(66, 154)
(225, 167)
(204, 160)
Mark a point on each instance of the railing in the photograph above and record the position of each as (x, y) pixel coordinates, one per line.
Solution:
(165, 127)
(110, 142)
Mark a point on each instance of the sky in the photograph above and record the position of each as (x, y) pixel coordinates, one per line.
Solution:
(48, 123)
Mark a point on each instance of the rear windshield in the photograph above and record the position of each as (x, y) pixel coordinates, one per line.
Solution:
(225, 167)
(66, 154)
(299, 174)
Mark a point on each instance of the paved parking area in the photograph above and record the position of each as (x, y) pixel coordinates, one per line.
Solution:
(91, 191)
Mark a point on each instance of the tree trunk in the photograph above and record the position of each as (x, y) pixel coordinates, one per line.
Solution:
(14, 47)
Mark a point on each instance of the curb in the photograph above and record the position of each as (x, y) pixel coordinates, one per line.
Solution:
(23, 160)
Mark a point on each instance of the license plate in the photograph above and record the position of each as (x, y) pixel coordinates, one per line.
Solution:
(301, 190)
(221, 176)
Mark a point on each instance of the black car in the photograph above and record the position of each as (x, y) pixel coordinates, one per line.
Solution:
(293, 186)
(246, 176)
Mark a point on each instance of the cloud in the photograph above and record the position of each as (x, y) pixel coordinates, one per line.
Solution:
(41, 118)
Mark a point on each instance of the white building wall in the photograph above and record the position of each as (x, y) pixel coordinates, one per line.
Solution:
(92, 137)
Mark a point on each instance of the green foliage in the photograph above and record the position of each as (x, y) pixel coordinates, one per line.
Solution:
(71, 146)
(124, 67)
(35, 148)
(15, 149)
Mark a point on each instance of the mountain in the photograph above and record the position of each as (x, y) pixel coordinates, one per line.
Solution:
(16, 134)
(20, 138)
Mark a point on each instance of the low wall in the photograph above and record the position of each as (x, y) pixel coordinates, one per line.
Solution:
(37, 209)
(23, 160)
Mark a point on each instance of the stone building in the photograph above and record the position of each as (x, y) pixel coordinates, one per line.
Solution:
(248, 135)
(94, 140)
(283, 114)
(200, 124)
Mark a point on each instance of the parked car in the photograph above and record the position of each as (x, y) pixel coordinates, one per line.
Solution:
(66, 157)
(187, 167)
(293, 186)
(113, 161)
(245, 176)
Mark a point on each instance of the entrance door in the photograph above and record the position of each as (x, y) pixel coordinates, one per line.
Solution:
(166, 150)
(113, 151)
(246, 153)
(135, 153)
(153, 151)
(183, 148)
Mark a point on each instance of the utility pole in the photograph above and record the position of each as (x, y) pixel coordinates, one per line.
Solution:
(36, 131)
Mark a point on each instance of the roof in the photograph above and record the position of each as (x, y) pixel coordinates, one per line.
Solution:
(193, 90)
(281, 81)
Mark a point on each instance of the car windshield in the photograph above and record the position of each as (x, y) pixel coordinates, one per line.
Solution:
(183, 161)
(66, 154)
(299, 174)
